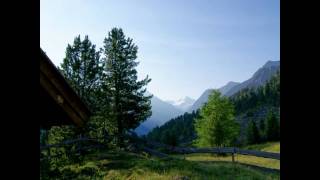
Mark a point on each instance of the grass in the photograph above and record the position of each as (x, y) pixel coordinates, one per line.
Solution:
(124, 165)
(268, 147)
(257, 161)
(252, 160)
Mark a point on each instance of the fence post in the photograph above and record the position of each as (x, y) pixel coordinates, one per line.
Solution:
(233, 155)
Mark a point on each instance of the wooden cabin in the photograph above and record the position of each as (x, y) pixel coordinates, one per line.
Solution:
(59, 104)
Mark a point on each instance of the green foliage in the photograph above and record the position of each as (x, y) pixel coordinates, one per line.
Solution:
(123, 165)
(262, 127)
(83, 68)
(170, 138)
(108, 85)
(253, 134)
(57, 135)
(273, 127)
(128, 104)
(181, 129)
(255, 102)
(216, 125)
(267, 146)
(247, 100)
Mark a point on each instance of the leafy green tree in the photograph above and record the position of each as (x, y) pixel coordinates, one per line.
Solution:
(273, 127)
(128, 103)
(253, 135)
(216, 125)
(56, 135)
(83, 69)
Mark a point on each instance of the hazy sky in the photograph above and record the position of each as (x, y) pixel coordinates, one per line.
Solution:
(185, 46)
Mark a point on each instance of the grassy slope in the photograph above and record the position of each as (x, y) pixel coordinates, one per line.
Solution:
(269, 147)
(258, 161)
(121, 165)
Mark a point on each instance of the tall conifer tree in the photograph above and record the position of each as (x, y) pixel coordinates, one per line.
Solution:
(128, 102)
(83, 70)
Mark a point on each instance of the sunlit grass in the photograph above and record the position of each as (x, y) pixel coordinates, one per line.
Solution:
(258, 161)
(268, 147)
(123, 165)
(252, 160)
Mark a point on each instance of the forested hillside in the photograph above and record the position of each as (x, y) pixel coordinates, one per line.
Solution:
(254, 104)
(250, 104)
(176, 131)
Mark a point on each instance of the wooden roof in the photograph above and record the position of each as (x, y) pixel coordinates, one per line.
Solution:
(59, 104)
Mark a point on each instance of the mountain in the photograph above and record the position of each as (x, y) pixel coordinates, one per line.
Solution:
(224, 89)
(260, 77)
(201, 100)
(250, 104)
(183, 104)
(205, 95)
(161, 113)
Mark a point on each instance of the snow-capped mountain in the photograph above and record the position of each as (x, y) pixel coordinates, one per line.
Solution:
(161, 112)
(183, 104)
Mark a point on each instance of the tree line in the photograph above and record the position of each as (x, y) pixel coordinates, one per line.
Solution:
(215, 123)
(176, 131)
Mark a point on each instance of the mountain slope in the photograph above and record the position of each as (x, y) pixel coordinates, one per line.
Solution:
(161, 113)
(205, 95)
(224, 89)
(259, 78)
(249, 104)
(201, 100)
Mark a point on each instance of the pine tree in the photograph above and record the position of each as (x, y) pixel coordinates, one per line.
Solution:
(182, 126)
(170, 138)
(262, 128)
(253, 135)
(216, 125)
(128, 102)
(273, 128)
(83, 70)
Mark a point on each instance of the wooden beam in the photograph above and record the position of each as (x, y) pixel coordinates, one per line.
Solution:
(57, 97)
(59, 89)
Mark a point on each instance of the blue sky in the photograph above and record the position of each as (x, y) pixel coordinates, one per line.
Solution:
(185, 46)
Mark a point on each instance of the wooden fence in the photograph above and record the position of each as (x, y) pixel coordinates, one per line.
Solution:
(223, 150)
(68, 142)
(81, 144)
(149, 147)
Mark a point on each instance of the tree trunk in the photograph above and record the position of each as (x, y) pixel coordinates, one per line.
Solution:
(120, 134)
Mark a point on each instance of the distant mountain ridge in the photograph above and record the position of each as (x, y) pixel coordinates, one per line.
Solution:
(161, 113)
(227, 87)
(205, 95)
(183, 104)
(260, 77)
(250, 104)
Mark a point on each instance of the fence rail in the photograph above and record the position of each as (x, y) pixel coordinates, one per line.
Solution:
(181, 150)
(230, 150)
(90, 143)
(68, 142)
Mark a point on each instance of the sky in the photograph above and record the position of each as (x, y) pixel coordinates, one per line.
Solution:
(185, 46)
